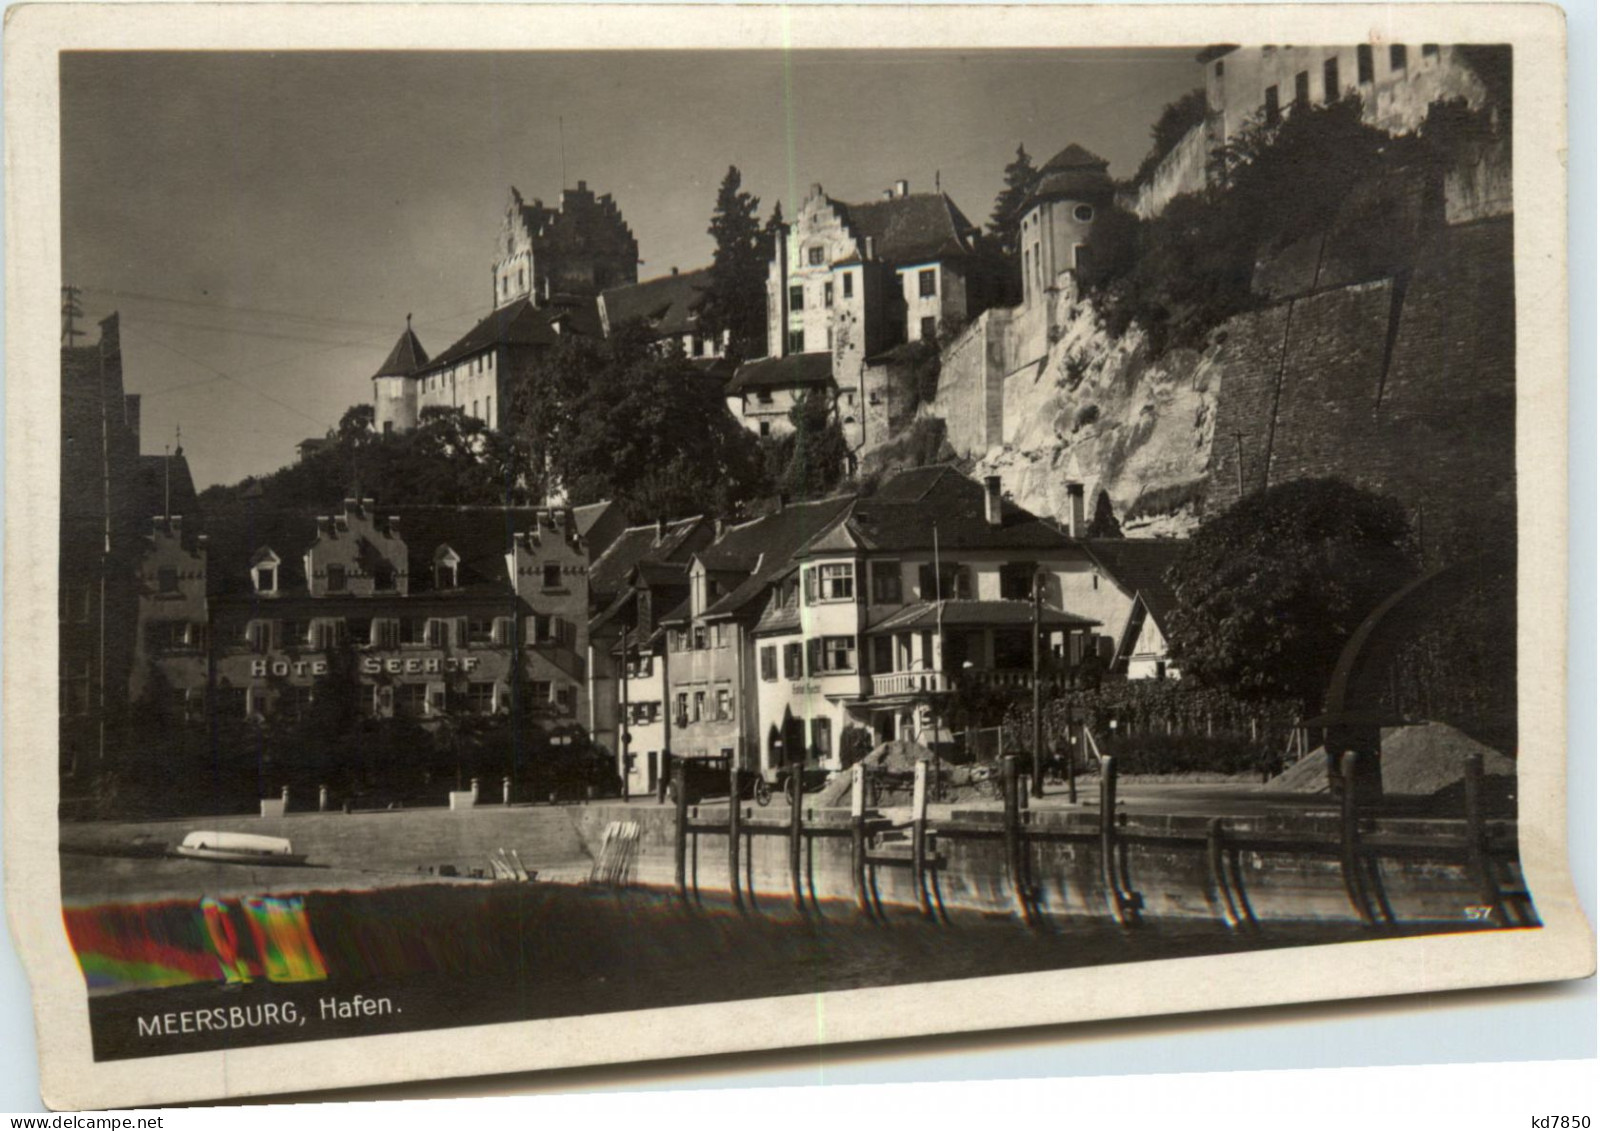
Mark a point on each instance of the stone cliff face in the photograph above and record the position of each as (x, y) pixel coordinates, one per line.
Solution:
(1101, 411)
(1401, 382)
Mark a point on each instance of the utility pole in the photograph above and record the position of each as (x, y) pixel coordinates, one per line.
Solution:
(71, 311)
(1036, 789)
(623, 736)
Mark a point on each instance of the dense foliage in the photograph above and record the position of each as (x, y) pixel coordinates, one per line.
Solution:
(1177, 118)
(449, 458)
(1317, 170)
(620, 419)
(811, 461)
(1270, 590)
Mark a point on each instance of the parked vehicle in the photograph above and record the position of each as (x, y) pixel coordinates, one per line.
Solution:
(708, 777)
(781, 780)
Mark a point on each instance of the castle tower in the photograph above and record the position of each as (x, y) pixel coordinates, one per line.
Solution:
(394, 392)
(581, 247)
(1057, 217)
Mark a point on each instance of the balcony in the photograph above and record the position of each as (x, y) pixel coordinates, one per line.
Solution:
(918, 682)
(908, 683)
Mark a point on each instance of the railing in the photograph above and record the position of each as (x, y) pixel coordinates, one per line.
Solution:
(909, 683)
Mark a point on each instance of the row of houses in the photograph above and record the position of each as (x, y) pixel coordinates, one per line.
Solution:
(760, 641)
(770, 640)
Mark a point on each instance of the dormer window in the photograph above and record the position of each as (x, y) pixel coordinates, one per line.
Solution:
(336, 579)
(264, 573)
(446, 568)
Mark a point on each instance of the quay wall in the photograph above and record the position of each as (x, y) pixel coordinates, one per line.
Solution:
(1169, 868)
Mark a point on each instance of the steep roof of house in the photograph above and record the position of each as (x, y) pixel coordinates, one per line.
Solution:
(1139, 565)
(668, 305)
(905, 511)
(1074, 173)
(523, 324)
(796, 370)
(917, 228)
(609, 573)
(761, 549)
(406, 358)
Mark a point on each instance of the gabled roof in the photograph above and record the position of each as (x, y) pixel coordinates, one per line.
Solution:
(1139, 566)
(406, 358)
(1074, 173)
(764, 546)
(523, 324)
(911, 229)
(796, 370)
(668, 305)
(903, 514)
(609, 573)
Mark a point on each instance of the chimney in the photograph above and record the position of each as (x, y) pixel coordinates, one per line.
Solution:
(1075, 510)
(902, 188)
(888, 194)
(674, 270)
(992, 511)
(717, 527)
(583, 186)
(783, 501)
(661, 531)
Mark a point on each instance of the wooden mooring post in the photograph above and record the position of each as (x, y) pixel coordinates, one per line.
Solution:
(1477, 848)
(1123, 904)
(858, 837)
(1010, 789)
(1350, 861)
(919, 837)
(680, 847)
(797, 812)
(735, 819)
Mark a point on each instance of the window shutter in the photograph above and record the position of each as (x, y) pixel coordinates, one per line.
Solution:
(462, 634)
(502, 630)
(813, 655)
(811, 585)
(530, 629)
(925, 583)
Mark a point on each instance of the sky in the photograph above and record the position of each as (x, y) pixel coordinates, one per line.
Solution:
(265, 221)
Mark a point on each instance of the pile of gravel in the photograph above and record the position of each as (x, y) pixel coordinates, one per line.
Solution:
(1418, 760)
(900, 757)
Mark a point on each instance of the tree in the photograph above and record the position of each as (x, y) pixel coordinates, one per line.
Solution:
(775, 222)
(1104, 524)
(1269, 591)
(736, 300)
(811, 461)
(1005, 219)
(618, 419)
(1177, 118)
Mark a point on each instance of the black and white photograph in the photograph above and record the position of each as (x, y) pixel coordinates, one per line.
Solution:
(630, 537)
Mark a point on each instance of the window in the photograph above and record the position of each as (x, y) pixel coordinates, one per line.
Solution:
(822, 738)
(336, 579)
(1302, 90)
(414, 630)
(480, 630)
(882, 654)
(1430, 49)
(411, 700)
(1016, 581)
(444, 572)
(1330, 80)
(169, 636)
(954, 582)
(293, 634)
(765, 427)
(680, 715)
(699, 707)
(475, 411)
(640, 665)
(1274, 113)
(266, 577)
(564, 700)
(769, 663)
(797, 298)
(388, 428)
(724, 704)
(838, 653)
(552, 575)
(1083, 213)
(700, 638)
(1397, 56)
(886, 583)
(791, 661)
(1080, 257)
(763, 396)
(1217, 70)
(480, 698)
(641, 714)
(814, 256)
(298, 703)
(719, 635)
(166, 581)
(539, 691)
(488, 410)
(849, 280)
(838, 581)
(930, 328)
(1364, 63)
(232, 702)
(797, 341)
(927, 283)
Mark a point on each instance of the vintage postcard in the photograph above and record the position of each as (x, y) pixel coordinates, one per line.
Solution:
(547, 536)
